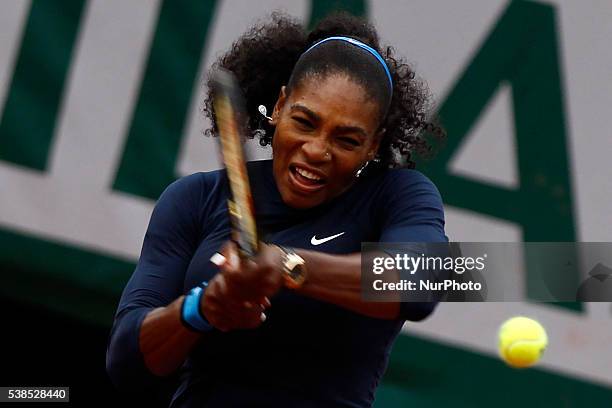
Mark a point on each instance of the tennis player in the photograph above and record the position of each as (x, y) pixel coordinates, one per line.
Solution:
(288, 328)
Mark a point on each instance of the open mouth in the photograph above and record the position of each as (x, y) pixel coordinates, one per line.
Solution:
(306, 180)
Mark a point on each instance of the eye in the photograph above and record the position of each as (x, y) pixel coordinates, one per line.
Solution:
(349, 141)
(302, 123)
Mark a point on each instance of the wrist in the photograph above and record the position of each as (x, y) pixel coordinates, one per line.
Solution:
(293, 268)
(192, 316)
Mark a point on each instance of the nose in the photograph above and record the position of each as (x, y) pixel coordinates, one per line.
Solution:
(317, 150)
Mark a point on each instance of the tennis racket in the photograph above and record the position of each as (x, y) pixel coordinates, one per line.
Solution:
(228, 103)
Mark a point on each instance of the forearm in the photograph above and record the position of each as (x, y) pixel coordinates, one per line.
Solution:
(337, 279)
(164, 341)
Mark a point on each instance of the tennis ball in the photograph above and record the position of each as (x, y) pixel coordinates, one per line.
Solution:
(521, 341)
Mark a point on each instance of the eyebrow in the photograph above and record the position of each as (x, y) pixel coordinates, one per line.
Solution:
(308, 112)
(316, 118)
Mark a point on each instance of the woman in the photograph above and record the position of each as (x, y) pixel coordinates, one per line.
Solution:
(289, 327)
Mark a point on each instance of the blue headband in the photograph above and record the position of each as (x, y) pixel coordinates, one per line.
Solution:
(362, 46)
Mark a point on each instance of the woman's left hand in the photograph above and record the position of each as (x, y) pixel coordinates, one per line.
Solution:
(253, 279)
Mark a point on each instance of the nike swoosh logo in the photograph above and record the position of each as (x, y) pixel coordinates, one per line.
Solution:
(315, 241)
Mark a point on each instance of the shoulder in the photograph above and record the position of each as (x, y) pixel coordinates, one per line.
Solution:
(411, 208)
(410, 185)
(408, 178)
(194, 186)
(188, 201)
(194, 195)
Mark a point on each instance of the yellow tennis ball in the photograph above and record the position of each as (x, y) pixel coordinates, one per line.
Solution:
(521, 341)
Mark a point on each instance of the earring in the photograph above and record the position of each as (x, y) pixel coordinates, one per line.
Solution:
(361, 169)
(264, 112)
(260, 132)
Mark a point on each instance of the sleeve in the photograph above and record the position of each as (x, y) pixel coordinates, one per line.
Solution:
(414, 213)
(169, 244)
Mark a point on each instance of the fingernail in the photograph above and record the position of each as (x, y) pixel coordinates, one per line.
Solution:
(218, 259)
(248, 305)
(263, 317)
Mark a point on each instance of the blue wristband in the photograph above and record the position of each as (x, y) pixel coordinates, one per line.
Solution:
(190, 312)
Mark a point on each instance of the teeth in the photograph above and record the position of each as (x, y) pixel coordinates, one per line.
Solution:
(307, 174)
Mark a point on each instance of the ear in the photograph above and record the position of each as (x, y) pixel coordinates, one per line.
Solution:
(280, 103)
(376, 143)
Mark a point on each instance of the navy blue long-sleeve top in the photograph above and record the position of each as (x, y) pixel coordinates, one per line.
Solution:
(307, 352)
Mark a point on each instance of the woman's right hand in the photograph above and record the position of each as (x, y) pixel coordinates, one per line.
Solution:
(225, 312)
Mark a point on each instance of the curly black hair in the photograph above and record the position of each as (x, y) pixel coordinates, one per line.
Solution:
(263, 60)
